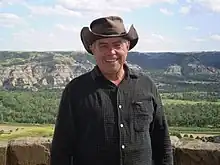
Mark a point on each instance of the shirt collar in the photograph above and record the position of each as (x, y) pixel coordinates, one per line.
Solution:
(129, 73)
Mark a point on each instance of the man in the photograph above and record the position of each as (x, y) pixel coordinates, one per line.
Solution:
(111, 115)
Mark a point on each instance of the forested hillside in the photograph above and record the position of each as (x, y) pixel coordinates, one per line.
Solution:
(41, 108)
(31, 84)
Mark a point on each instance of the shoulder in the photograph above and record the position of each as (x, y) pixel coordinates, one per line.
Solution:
(145, 80)
(78, 83)
(80, 80)
(147, 84)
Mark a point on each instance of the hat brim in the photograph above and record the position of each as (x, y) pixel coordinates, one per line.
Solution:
(88, 37)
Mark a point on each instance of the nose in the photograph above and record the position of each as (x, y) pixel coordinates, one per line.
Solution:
(112, 51)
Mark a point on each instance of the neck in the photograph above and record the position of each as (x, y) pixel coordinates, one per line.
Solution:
(116, 78)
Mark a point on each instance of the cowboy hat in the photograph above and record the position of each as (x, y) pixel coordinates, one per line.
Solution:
(106, 27)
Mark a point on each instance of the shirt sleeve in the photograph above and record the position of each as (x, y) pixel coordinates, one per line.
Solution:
(160, 139)
(62, 146)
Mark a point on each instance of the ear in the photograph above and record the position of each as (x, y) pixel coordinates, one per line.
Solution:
(128, 44)
(91, 47)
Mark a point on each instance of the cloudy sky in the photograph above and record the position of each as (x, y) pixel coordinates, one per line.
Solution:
(163, 25)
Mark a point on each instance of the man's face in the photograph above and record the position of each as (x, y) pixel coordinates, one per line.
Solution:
(110, 54)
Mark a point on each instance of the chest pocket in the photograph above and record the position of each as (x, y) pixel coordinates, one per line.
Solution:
(142, 108)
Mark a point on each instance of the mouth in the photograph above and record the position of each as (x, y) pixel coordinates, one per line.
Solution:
(111, 60)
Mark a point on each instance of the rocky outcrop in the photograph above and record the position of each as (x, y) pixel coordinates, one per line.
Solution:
(35, 75)
(35, 70)
(174, 70)
(191, 69)
(201, 69)
(36, 151)
(44, 70)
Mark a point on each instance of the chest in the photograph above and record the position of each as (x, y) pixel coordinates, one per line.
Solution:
(108, 105)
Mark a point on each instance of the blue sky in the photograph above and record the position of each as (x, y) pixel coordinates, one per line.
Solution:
(163, 25)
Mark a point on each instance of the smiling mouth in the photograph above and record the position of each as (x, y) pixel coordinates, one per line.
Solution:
(111, 61)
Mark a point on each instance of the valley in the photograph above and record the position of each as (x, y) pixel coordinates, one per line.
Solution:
(31, 84)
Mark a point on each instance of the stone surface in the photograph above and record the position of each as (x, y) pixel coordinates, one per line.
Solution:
(216, 139)
(35, 151)
(3, 152)
(29, 151)
(196, 152)
(174, 142)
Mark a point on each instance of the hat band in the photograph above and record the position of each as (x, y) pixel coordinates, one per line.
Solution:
(109, 31)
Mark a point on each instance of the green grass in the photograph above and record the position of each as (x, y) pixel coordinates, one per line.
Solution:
(174, 101)
(195, 130)
(17, 131)
(31, 130)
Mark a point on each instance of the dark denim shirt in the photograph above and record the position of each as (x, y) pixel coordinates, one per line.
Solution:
(99, 123)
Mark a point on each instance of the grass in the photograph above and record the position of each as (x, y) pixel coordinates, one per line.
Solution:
(17, 131)
(195, 130)
(174, 101)
(14, 131)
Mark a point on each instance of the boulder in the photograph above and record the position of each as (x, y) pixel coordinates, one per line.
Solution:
(196, 152)
(29, 151)
(3, 152)
(216, 139)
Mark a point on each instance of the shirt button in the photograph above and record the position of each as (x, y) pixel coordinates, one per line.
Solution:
(123, 146)
(121, 125)
(120, 106)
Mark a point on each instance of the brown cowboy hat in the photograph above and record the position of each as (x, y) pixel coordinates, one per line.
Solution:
(105, 27)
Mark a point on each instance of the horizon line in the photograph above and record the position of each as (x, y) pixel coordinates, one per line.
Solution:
(131, 51)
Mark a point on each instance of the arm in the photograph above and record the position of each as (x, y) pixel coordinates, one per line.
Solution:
(161, 144)
(64, 133)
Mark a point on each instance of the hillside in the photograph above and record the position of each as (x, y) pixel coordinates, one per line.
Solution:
(164, 60)
(171, 71)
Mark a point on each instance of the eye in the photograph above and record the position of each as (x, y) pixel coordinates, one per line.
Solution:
(103, 46)
(117, 45)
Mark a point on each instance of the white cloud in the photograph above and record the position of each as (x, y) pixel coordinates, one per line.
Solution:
(215, 37)
(197, 39)
(10, 20)
(68, 27)
(185, 9)
(166, 11)
(10, 2)
(67, 37)
(52, 10)
(58, 38)
(149, 45)
(191, 28)
(99, 7)
(213, 5)
(158, 36)
(155, 42)
(32, 39)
